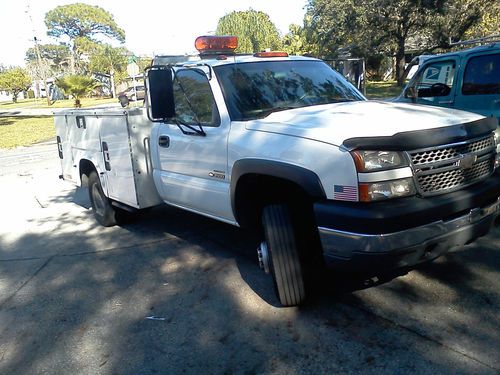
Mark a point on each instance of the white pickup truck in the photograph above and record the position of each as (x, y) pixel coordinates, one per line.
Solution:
(287, 147)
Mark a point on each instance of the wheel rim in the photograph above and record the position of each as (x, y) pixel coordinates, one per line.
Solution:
(263, 254)
(99, 204)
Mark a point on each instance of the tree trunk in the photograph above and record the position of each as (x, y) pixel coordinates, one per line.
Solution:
(400, 61)
(112, 78)
(72, 60)
(38, 93)
(41, 67)
(72, 64)
(46, 91)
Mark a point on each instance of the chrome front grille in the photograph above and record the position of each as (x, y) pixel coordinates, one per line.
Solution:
(451, 167)
(445, 153)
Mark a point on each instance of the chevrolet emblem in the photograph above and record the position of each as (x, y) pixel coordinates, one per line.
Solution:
(466, 161)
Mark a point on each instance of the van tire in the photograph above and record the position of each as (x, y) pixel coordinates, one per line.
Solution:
(104, 212)
(284, 254)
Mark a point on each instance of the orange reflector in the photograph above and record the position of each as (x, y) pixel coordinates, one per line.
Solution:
(358, 161)
(271, 54)
(216, 44)
(364, 195)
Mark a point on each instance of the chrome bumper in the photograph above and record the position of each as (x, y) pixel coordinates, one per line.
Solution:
(439, 235)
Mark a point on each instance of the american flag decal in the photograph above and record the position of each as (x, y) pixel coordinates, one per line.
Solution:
(345, 193)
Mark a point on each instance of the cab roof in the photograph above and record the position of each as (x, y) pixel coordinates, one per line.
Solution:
(462, 53)
(241, 59)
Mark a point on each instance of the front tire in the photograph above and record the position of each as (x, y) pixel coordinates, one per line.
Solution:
(285, 265)
(104, 212)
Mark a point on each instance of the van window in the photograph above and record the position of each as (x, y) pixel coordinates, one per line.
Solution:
(436, 79)
(482, 75)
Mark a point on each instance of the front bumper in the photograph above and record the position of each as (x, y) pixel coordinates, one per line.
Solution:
(365, 252)
(412, 242)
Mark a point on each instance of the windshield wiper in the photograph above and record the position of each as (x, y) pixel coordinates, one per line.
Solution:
(267, 112)
(180, 124)
(344, 100)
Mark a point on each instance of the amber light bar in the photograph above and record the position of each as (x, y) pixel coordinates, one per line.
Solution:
(271, 54)
(216, 44)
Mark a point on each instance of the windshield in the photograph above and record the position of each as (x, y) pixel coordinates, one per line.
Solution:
(256, 89)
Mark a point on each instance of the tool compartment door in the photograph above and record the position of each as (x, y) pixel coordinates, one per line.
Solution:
(115, 145)
(64, 147)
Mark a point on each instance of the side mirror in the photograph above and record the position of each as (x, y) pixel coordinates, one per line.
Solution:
(411, 93)
(123, 100)
(160, 93)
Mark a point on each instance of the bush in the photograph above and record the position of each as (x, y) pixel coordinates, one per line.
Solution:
(77, 86)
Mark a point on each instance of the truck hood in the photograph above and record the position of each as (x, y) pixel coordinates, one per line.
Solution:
(335, 123)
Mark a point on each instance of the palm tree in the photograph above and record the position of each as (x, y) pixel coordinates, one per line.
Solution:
(77, 86)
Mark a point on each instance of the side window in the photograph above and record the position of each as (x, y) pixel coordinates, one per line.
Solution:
(194, 102)
(436, 79)
(482, 75)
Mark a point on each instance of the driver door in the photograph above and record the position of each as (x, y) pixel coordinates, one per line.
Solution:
(193, 166)
(435, 83)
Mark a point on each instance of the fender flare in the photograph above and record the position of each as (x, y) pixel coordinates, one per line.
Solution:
(88, 160)
(304, 178)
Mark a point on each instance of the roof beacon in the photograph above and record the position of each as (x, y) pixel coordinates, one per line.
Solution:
(271, 54)
(210, 46)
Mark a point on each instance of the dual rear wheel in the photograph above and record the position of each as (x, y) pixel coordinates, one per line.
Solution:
(105, 213)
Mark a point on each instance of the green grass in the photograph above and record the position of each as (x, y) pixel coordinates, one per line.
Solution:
(24, 131)
(382, 89)
(67, 103)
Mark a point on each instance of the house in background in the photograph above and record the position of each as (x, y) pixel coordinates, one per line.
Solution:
(7, 97)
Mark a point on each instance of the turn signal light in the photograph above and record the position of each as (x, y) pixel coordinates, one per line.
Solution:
(216, 44)
(375, 191)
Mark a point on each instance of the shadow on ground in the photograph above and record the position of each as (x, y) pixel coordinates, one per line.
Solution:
(85, 307)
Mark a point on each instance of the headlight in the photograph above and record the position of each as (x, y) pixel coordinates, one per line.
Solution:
(375, 191)
(497, 142)
(368, 161)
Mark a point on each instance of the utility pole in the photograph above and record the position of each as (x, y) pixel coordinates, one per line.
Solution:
(41, 67)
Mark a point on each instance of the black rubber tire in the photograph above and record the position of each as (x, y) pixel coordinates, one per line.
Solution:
(285, 263)
(104, 212)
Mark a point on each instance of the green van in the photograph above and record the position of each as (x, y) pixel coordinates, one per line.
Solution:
(467, 80)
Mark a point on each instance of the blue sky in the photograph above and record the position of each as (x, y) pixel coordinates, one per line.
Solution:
(151, 27)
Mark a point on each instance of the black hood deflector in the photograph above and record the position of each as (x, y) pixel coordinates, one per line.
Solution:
(412, 140)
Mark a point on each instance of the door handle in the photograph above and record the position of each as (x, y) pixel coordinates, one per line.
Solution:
(164, 141)
(59, 147)
(105, 154)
